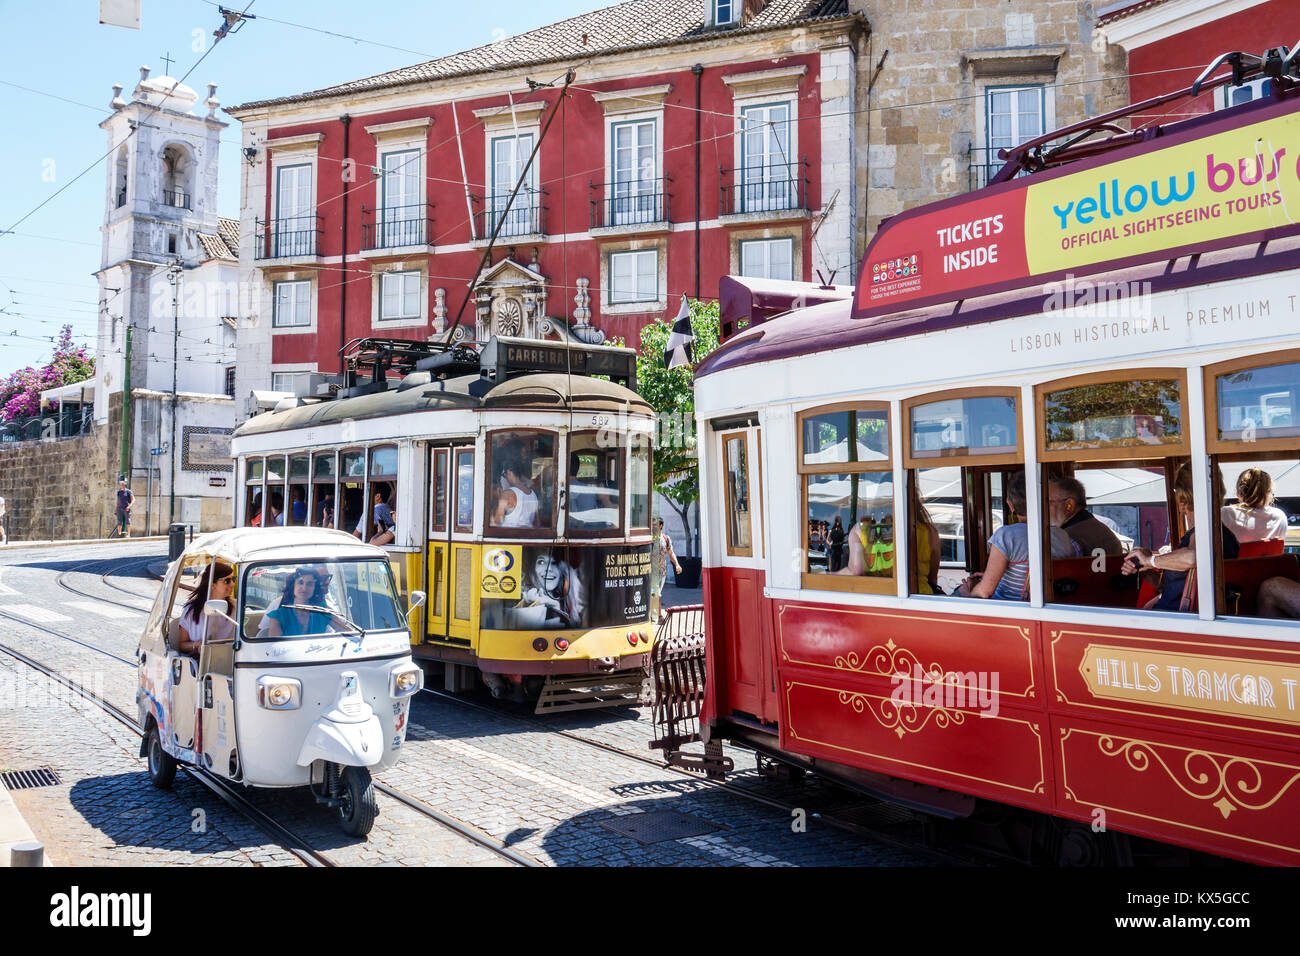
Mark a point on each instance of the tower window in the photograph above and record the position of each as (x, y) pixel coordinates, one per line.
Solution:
(171, 242)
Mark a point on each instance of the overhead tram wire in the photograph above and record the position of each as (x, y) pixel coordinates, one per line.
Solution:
(152, 109)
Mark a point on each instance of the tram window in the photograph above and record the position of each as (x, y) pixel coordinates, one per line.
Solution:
(826, 436)
(465, 490)
(299, 474)
(968, 425)
(594, 497)
(1253, 407)
(438, 493)
(381, 513)
(1096, 416)
(521, 494)
(736, 474)
(638, 476)
(253, 492)
(324, 510)
(352, 490)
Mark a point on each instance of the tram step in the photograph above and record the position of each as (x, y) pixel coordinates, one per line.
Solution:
(588, 692)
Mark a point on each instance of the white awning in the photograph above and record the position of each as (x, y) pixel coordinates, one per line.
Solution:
(76, 392)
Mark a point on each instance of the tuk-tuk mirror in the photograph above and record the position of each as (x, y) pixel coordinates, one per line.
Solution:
(418, 598)
(220, 608)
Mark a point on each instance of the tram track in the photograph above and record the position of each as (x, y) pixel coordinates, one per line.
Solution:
(747, 793)
(286, 838)
(62, 581)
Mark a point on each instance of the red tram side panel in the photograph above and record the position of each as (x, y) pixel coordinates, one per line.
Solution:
(740, 617)
(1182, 740)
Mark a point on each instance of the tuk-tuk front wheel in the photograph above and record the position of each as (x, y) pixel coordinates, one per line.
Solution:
(162, 765)
(357, 805)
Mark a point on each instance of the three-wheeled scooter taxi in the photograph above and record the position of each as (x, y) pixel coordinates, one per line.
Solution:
(279, 657)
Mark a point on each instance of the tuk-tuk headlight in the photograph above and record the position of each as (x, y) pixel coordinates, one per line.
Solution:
(279, 693)
(407, 680)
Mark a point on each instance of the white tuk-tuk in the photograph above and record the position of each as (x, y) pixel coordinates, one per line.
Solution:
(279, 657)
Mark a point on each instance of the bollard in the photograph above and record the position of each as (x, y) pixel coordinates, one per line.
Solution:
(27, 854)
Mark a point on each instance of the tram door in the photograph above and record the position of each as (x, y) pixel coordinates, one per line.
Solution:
(738, 592)
(451, 563)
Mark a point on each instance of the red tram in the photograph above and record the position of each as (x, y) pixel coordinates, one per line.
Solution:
(1117, 330)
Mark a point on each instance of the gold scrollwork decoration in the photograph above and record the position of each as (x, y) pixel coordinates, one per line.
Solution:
(902, 719)
(1234, 781)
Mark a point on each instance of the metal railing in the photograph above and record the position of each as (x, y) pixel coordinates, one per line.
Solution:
(754, 189)
(982, 165)
(629, 203)
(392, 226)
(67, 422)
(289, 237)
(177, 198)
(523, 218)
(121, 198)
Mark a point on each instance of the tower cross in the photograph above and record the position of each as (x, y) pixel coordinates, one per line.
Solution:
(167, 64)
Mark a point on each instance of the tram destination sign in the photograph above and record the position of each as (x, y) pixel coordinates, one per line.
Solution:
(516, 356)
(1206, 185)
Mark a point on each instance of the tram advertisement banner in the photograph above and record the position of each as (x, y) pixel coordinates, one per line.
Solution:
(555, 587)
(1213, 186)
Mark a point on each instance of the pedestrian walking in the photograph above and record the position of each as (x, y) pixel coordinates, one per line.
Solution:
(4, 520)
(125, 499)
(662, 546)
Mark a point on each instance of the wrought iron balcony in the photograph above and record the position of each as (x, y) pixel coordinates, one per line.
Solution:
(293, 237)
(390, 227)
(176, 198)
(755, 189)
(629, 203)
(121, 197)
(523, 218)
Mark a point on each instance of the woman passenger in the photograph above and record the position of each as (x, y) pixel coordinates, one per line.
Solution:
(516, 505)
(1177, 587)
(216, 584)
(1006, 576)
(1254, 517)
(305, 587)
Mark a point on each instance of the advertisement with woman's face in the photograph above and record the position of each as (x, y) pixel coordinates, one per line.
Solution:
(526, 587)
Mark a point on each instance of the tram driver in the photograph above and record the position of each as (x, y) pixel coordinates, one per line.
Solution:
(516, 503)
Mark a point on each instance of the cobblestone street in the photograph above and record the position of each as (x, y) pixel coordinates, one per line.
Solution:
(555, 799)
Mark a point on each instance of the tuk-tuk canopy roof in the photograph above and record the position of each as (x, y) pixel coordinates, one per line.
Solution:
(238, 545)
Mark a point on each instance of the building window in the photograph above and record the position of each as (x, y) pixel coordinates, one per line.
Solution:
(1012, 114)
(399, 295)
(634, 276)
(767, 172)
(171, 243)
(295, 382)
(724, 11)
(634, 159)
(767, 258)
(401, 219)
(292, 304)
(230, 381)
(294, 229)
(509, 156)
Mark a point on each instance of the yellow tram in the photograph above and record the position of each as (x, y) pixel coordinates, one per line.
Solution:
(510, 479)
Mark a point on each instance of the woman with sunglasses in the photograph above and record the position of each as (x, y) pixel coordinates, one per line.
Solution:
(304, 588)
(216, 584)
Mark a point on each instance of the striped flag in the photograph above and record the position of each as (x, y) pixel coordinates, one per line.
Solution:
(679, 342)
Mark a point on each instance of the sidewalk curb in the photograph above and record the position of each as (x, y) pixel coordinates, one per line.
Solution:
(14, 829)
(67, 543)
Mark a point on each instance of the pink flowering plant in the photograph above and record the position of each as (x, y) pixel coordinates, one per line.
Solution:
(20, 392)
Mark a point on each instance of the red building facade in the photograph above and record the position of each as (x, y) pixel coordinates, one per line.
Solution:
(1169, 43)
(722, 143)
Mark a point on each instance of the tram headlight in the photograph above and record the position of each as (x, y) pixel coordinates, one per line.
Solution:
(407, 680)
(279, 693)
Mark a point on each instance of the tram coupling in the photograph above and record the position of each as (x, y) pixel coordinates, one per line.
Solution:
(677, 668)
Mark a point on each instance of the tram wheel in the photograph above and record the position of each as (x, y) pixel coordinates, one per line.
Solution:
(162, 765)
(357, 805)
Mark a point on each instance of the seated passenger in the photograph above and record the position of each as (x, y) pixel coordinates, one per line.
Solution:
(1006, 576)
(385, 519)
(516, 505)
(871, 548)
(1067, 506)
(216, 584)
(1254, 517)
(277, 507)
(305, 587)
(928, 546)
(297, 505)
(1279, 597)
(1175, 591)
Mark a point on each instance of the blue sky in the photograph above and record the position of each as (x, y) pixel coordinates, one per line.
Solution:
(59, 48)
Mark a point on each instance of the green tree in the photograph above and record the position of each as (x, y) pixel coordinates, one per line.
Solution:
(676, 472)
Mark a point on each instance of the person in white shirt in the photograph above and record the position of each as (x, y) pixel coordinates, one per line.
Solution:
(4, 534)
(1254, 517)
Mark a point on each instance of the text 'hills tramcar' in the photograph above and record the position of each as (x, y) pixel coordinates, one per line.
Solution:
(510, 479)
(1013, 527)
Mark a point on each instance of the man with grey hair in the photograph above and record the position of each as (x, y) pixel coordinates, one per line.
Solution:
(1067, 503)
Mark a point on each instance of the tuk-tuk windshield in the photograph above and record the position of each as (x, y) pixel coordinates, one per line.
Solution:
(301, 599)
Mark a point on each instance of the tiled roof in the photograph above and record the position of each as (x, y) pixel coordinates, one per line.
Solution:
(636, 24)
(1118, 11)
(225, 244)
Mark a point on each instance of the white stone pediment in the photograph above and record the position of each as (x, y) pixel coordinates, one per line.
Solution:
(509, 272)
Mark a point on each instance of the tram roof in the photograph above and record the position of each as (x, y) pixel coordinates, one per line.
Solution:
(419, 392)
(237, 545)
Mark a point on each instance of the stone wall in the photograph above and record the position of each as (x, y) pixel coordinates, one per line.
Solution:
(922, 123)
(62, 488)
